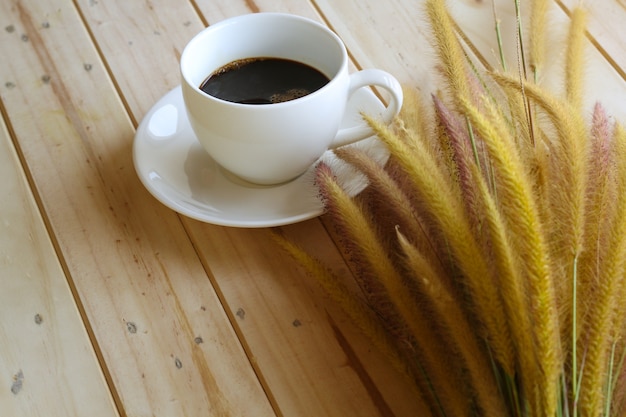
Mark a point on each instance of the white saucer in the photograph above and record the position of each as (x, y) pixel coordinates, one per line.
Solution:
(176, 170)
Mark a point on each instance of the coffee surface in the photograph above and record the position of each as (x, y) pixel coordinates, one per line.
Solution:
(263, 81)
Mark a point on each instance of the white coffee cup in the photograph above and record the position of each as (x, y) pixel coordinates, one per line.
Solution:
(275, 143)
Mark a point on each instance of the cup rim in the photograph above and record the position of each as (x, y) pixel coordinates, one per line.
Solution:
(232, 20)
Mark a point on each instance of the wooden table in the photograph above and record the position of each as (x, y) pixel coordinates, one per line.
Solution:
(112, 304)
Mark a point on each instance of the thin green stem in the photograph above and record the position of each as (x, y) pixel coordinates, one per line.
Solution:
(577, 392)
(609, 390)
(522, 70)
(432, 390)
(574, 335)
(499, 36)
(613, 372)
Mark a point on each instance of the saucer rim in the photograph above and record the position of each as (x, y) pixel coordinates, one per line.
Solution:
(213, 217)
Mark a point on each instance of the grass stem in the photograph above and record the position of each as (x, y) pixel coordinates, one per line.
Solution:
(499, 36)
(574, 332)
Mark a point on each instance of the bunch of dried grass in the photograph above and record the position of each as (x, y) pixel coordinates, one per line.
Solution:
(493, 272)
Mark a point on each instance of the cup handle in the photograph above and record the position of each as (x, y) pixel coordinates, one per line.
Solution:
(362, 79)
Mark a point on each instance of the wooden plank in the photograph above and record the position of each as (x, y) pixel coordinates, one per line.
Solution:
(47, 363)
(162, 330)
(356, 379)
(312, 357)
(604, 21)
(390, 35)
(307, 367)
(384, 41)
(603, 83)
(219, 10)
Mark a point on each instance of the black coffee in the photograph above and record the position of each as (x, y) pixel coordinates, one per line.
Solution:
(263, 81)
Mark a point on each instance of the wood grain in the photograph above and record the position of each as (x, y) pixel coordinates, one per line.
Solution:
(185, 318)
(47, 363)
(146, 295)
(605, 28)
(251, 273)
